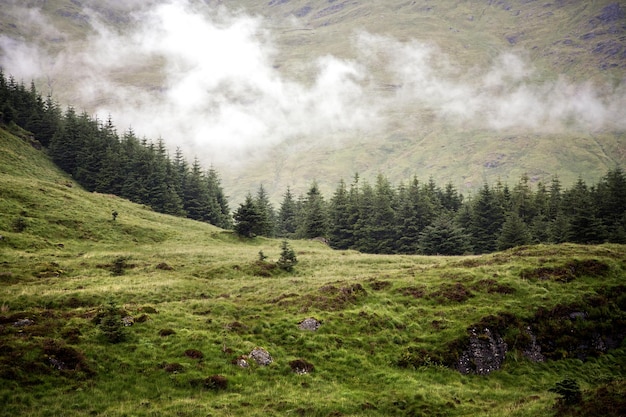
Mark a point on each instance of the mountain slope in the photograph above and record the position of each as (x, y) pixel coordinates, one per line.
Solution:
(287, 92)
(385, 335)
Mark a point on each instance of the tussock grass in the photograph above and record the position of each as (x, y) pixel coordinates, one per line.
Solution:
(372, 309)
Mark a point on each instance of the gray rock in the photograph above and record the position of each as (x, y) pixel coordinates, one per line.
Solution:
(310, 324)
(261, 356)
(485, 353)
(23, 323)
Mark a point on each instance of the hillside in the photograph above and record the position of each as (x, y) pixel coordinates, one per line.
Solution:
(287, 92)
(348, 333)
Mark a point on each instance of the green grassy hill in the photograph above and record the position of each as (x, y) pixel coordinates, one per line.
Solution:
(393, 329)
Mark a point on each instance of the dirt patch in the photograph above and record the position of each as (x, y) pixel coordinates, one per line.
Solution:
(65, 358)
(379, 285)
(173, 368)
(569, 271)
(164, 267)
(333, 298)
(166, 332)
(413, 291)
(456, 292)
(301, 366)
(214, 382)
(492, 286)
(194, 354)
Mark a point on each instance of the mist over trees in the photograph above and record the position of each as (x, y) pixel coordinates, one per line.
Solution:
(409, 218)
(100, 160)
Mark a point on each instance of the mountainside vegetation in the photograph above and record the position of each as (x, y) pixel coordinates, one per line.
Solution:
(474, 263)
(147, 314)
(469, 92)
(380, 218)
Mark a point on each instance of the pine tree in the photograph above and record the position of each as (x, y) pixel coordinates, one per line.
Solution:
(287, 216)
(363, 239)
(196, 194)
(444, 237)
(247, 218)
(267, 222)
(341, 230)
(487, 219)
(514, 232)
(584, 226)
(288, 258)
(220, 211)
(382, 228)
(314, 215)
(415, 211)
(610, 193)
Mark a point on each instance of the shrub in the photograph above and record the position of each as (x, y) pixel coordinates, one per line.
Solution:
(119, 265)
(569, 391)
(288, 258)
(111, 325)
(19, 224)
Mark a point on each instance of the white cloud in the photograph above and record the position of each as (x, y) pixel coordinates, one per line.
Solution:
(221, 96)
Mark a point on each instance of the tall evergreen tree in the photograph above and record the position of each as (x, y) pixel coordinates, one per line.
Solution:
(314, 215)
(487, 219)
(514, 232)
(364, 240)
(220, 211)
(444, 237)
(382, 227)
(611, 197)
(247, 218)
(267, 222)
(416, 210)
(196, 194)
(287, 216)
(584, 226)
(341, 230)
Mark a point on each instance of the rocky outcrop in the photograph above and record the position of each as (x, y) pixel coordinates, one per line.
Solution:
(485, 352)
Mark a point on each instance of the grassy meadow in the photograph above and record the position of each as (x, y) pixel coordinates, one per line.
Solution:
(201, 299)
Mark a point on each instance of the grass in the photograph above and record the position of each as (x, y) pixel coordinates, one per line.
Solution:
(191, 286)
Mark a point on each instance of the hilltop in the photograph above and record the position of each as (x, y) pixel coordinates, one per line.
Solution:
(346, 333)
(316, 90)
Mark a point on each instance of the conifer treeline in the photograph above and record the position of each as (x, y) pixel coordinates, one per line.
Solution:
(417, 217)
(425, 218)
(102, 161)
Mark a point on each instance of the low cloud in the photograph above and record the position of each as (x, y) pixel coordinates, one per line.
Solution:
(221, 97)
(506, 94)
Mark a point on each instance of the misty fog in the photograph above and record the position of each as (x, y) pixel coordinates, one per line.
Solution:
(220, 95)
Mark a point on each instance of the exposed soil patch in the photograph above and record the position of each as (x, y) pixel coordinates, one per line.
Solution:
(379, 285)
(214, 382)
(492, 286)
(413, 291)
(194, 354)
(301, 366)
(65, 358)
(173, 368)
(334, 298)
(164, 267)
(166, 332)
(456, 292)
(568, 272)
